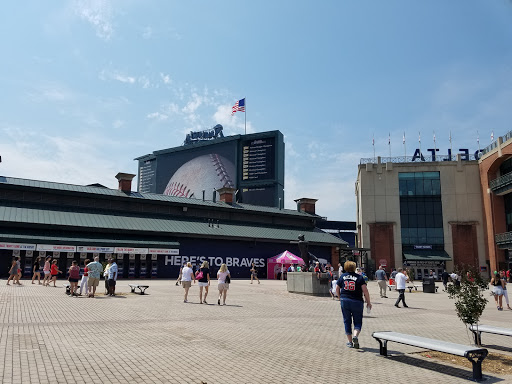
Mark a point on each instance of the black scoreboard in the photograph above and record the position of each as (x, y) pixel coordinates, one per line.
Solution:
(253, 164)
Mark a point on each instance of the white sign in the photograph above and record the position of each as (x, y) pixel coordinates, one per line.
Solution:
(159, 251)
(56, 248)
(139, 251)
(24, 247)
(94, 249)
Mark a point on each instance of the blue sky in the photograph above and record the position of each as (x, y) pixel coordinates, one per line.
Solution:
(87, 86)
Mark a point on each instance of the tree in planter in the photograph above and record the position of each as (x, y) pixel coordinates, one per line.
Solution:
(469, 298)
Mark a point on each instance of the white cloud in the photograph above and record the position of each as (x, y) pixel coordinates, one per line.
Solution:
(74, 160)
(51, 92)
(158, 116)
(166, 79)
(99, 14)
(147, 33)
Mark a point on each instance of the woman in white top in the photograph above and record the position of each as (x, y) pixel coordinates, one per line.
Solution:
(223, 285)
(186, 280)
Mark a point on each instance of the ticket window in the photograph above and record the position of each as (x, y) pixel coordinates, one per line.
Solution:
(131, 266)
(56, 256)
(143, 269)
(154, 266)
(83, 256)
(120, 265)
(27, 270)
(69, 260)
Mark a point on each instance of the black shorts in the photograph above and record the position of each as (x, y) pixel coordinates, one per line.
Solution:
(111, 283)
(71, 280)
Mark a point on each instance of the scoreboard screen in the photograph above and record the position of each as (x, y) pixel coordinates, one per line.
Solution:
(251, 164)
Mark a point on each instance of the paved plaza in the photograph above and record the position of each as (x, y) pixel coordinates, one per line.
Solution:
(263, 335)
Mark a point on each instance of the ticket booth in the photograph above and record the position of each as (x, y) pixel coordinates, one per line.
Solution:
(27, 269)
(83, 256)
(143, 267)
(120, 265)
(131, 266)
(154, 266)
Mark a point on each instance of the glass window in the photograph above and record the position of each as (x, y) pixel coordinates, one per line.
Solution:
(427, 187)
(411, 189)
(412, 207)
(420, 220)
(419, 187)
(436, 187)
(404, 221)
(429, 221)
(402, 186)
(413, 221)
(420, 207)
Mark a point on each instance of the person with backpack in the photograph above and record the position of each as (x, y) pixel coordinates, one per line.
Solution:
(224, 278)
(186, 280)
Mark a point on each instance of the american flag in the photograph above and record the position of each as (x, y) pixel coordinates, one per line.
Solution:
(238, 107)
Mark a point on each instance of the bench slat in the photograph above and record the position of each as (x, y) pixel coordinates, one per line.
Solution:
(491, 329)
(423, 342)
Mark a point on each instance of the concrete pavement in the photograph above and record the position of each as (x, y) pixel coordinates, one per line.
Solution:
(263, 335)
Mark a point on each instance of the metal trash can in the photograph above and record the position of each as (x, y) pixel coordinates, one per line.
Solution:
(429, 285)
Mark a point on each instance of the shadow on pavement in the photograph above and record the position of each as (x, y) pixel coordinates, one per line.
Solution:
(497, 347)
(442, 368)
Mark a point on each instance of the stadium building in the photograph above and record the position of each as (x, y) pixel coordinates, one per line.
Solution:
(435, 212)
(152, 234)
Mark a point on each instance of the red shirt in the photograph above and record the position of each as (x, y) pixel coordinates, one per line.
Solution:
(86, 271)
(74, 272)
(54, 270)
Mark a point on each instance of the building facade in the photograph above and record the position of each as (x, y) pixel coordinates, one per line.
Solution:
(422, 212)
(150, 235)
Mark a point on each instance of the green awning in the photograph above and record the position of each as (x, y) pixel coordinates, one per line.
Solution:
(426, 255)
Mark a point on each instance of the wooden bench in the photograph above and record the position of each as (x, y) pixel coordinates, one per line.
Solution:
(474, 354)
(478, 329)
(142, 288)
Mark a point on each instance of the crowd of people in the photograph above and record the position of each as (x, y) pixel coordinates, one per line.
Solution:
(202, 276)
(89, 281)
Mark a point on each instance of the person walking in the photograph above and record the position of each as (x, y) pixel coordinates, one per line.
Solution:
(54, 271)
(94, 270)
(181, 274)
(186, 280)
(203, 276)
(105, 275)
(37, 270)
(503, 277)
(444, 276)
(112, 278)
(46, 271)
(350, 288)
(400, 280)
(74, 276)
(13, 272)
(340, 269)
(497, 290)
(254, 273)
(224, 278)
(85, 277)
(382, 279)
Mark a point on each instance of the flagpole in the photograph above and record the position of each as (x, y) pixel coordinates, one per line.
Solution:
(405, 149)
(389, 144)
(245, 115)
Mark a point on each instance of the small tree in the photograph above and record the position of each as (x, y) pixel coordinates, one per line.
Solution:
(469, 298)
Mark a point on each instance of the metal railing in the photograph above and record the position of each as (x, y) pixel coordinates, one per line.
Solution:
(501, 238)
(501, 181)
(413, 159)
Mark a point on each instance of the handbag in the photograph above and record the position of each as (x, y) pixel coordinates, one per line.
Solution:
(228, 279)
(199, 275)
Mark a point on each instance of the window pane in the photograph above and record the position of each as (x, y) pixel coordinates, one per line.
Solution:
(429, 221)
(419, 187)
(413, 221)
(427, 187)
(420, 207)
(420, 221)
(411, 207)
(404, 221)
(411, 190)
(436, 187)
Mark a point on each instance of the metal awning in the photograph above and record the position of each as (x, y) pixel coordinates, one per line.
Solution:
(426, 255)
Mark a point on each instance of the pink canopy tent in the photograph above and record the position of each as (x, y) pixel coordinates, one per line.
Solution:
(286, 258)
